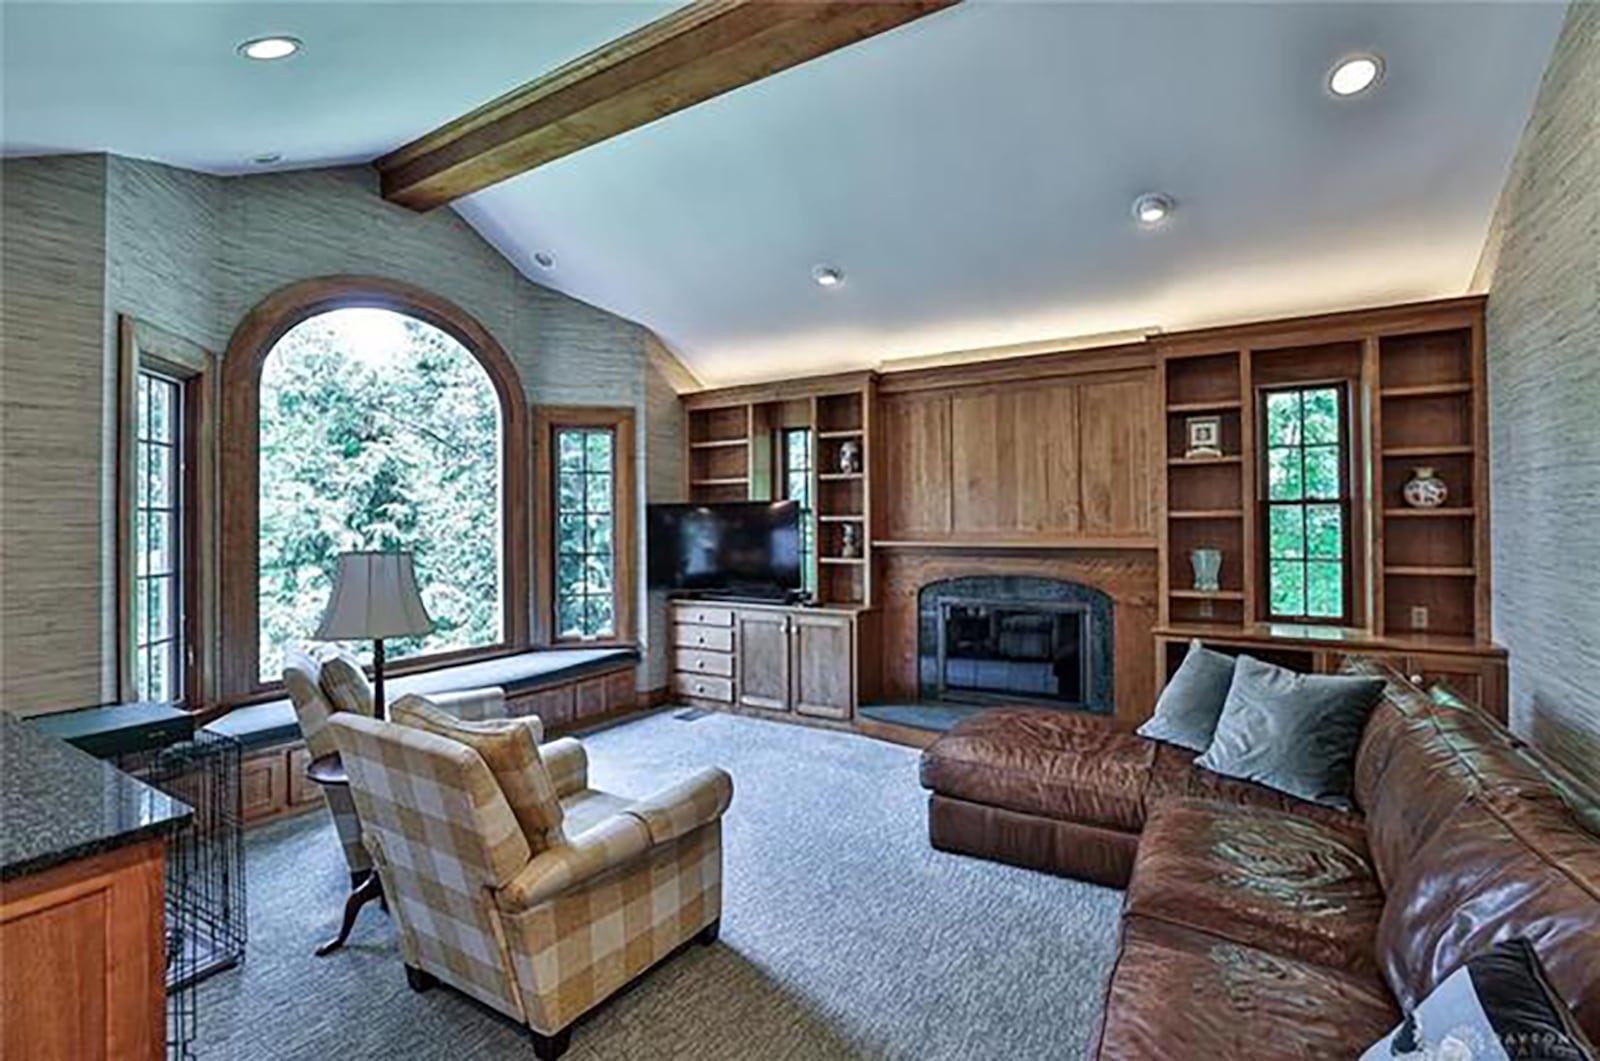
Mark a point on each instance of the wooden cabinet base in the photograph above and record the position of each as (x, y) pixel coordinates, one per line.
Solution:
(273, 780)
(84, 975)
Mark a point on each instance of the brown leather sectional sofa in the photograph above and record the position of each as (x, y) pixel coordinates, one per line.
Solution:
(1260, 926)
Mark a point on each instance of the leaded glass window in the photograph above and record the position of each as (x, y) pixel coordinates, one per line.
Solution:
(585, 533)
(797, 468)
(1307, 503)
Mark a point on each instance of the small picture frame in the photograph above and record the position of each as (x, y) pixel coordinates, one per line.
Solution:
(1205, 436)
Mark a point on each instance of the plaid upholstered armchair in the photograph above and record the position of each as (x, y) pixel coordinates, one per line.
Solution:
(323, 683)
(513, 881)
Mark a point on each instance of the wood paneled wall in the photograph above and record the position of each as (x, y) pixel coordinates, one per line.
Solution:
(1068, 460)
(1542, 270)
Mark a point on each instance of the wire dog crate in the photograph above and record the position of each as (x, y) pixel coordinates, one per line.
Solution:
(206, 920)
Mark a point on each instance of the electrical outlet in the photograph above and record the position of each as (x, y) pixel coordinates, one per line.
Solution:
(1419, 617)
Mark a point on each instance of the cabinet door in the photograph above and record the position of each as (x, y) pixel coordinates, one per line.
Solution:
(822, 665)
(763, 659)
(1118, 482)
(1474, 680)
(264, 784)
(916, 444)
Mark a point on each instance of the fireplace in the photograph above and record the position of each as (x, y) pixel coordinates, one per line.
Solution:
(1013, 639)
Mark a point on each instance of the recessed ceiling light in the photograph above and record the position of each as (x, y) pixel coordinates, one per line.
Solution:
(1355, 75)
(267, 159)
(827, 276)
(265, 48)
(544, 260)
(1152, 209)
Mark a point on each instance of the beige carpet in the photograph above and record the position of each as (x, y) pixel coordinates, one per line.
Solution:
(844, 934)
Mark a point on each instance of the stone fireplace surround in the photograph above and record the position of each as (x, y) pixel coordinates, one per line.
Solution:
(1128, 577)
(1091, 621)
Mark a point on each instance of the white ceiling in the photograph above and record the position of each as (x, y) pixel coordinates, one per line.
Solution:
(971, 173)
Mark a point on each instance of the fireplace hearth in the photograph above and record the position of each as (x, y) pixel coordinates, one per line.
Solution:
(1014, 639)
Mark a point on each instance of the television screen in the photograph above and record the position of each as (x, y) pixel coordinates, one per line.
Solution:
(743, 548)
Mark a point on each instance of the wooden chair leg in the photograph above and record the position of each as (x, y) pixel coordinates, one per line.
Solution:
(709, 934)
(420, 981)
(550, 1047)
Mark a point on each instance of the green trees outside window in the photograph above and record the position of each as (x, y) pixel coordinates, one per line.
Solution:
(379, 431)
(585, 533)
(797, 467)
(1307, 503)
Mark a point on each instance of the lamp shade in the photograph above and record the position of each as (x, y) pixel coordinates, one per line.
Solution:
(375, 595)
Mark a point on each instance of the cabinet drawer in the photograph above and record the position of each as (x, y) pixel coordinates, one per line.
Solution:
(706, 637)
(690, 661)
(703, 687)
(704, 616)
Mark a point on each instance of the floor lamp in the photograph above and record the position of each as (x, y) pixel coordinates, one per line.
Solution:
(375, 596)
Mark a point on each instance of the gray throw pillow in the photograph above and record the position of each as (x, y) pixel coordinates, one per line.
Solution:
(1297, 733)
(1187, 713)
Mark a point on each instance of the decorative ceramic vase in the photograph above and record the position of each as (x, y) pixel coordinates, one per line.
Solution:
(1425, 489)
(1207, 569)
(850, 457)
(850, 542)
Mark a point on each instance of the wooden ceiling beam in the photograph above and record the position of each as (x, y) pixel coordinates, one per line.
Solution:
(691, 55)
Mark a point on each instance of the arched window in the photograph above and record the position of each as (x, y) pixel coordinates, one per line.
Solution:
(378, 431)
(364, 414)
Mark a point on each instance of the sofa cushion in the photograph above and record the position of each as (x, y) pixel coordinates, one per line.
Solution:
(509, 747)
(344, 683)
(1178, 993)
(1498, 998)
(1422, 758)
(1056, 764)
(1294, 732)
(1503, 865)
(1174, 775)
(1295, 887)
(1187, 711)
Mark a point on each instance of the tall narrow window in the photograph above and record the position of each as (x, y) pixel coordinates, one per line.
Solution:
(797, 467)
(585, 533)
(159, 641)
(1307, 514)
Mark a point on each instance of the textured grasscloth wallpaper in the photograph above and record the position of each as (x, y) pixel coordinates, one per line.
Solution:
(1542, 269)
(53, 446)
(87, 237)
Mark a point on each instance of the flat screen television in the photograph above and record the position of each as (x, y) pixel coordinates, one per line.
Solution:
(737, 549)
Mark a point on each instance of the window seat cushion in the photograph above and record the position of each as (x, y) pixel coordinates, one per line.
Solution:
(263, 725)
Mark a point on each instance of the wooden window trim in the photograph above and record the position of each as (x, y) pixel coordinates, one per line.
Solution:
(548, 419)
(1349, 512)
(141, 345)
(252, 341)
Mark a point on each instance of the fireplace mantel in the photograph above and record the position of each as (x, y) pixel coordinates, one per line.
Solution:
(1128, 576)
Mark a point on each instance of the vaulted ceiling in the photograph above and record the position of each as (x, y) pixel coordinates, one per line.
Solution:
(970, 173)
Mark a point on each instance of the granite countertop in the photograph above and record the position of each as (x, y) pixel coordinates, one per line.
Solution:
(58, 804)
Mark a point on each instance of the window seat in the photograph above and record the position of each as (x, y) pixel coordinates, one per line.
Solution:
(267, 724)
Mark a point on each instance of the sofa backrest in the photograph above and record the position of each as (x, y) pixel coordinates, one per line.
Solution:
(1477, 838)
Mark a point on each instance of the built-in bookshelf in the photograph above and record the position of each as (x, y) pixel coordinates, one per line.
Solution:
(735, 453)
(1414, 391)
(1433, 561)
(1205, 493)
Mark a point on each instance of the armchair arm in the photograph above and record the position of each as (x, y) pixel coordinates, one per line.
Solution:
(610, 844)
(476, 705)
(568, 764)
(681, 808)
